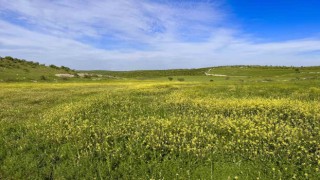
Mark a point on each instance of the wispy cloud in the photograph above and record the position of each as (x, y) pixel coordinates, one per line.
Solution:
(137, 34)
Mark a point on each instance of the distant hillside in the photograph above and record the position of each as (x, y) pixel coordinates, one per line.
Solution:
(13, 69)
(262, 71)
(231, 71)
(153, 73)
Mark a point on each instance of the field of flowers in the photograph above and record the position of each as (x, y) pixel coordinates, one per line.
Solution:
(160, 130)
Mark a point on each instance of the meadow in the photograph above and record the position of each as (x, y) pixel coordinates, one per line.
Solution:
(256, 123)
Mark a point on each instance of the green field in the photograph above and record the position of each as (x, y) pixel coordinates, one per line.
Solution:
(254, 123)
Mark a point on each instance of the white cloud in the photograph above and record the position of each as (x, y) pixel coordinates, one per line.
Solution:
(181, 35)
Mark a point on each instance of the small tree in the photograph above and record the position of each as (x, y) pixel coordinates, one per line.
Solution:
(65, 68)
(9, 58)
(170, 78)
(87, 76)
(53, 66)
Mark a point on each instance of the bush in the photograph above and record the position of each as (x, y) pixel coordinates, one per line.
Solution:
(180, 79)
(65, 68)
(9, 58)
(9, 80)
(43, 78)
(64, 78)
(87, 76)
(53, 66)
(170, 78)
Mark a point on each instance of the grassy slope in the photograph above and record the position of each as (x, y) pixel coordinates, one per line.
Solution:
(12, 70)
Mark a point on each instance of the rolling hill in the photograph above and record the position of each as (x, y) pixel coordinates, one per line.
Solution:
(13, 69)
(17, 70)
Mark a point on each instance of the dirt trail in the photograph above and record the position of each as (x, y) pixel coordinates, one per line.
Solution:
(220, 75)
(208, 74)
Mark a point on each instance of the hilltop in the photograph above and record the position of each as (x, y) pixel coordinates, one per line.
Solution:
(14, 69)
(20, 70)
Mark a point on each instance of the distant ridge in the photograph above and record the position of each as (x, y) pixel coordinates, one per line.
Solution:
(15, 70)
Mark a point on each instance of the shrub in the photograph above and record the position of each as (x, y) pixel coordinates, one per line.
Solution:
(9, 58)
(180, 79)
(170, 78)
(53, 66)
(64, 78)
(42, 77)
(9, 80)
(26, 70)
(87, 76)
(65, 68)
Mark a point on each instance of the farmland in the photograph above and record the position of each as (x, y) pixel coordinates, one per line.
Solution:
(255, 123)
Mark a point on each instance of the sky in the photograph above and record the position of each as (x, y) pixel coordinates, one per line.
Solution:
(161, 34)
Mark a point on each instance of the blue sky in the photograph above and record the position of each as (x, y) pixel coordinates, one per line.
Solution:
(278, 20)
(161, 34)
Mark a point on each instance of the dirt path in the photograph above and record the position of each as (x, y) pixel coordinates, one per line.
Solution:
(219, 75)
(208, 74)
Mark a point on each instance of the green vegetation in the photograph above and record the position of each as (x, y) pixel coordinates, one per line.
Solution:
(17, 70)
(263, 124)
(244, 71)
(152, 73)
